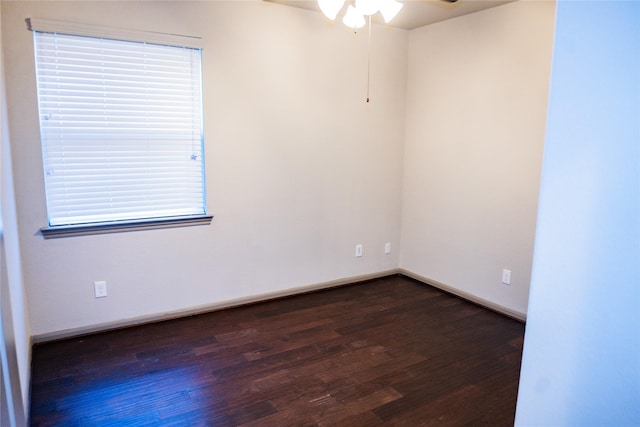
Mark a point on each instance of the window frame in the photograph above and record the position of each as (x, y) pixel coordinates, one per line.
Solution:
(89, 228)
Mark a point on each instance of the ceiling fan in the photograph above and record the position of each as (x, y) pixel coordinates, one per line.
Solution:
(415, 13)
(357, 10)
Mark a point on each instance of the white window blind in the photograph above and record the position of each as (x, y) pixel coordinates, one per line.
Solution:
(121, 129)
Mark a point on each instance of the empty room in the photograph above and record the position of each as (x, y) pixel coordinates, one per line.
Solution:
(297, 213)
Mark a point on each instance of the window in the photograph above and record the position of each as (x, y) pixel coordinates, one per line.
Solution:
(121, 129)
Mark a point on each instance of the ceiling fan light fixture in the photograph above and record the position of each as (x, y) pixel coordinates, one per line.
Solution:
(389, 9)
(353, 18)
(330, 8)
(368, 7)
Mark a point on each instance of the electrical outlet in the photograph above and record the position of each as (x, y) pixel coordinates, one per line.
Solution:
(359, 249)
(100, 289)
(506, 276)
(387, 248)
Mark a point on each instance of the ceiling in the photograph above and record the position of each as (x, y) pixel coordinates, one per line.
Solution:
(415, 13)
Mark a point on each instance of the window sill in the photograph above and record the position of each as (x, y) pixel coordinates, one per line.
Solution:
(122, 226)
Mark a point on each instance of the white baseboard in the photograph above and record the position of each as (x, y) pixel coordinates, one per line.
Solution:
(101, 327)
(517, 315)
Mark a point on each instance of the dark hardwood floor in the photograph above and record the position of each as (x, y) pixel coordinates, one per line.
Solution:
(384, 352)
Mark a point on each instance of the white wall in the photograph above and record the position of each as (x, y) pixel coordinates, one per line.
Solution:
(299, 167)
(476, 108)
(15, 344)
(581, 362)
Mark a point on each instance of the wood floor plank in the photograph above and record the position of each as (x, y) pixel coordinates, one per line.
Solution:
(389, 351)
